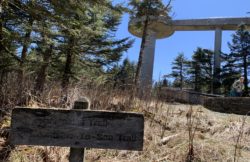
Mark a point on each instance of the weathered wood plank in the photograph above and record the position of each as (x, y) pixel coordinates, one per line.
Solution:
(78, 154)
(76, 128)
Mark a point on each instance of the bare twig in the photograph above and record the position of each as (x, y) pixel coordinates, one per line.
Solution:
(239, 138)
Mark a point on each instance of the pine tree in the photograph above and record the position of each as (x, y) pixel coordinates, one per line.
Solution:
(20, 17)
(165, 83)
(179, 70)
(207, 65)
(45, 37)
(229, 72)
(125, 74)
(89, 37)
(200, 70)
(6, 51)
(240, 51)
(47, 41)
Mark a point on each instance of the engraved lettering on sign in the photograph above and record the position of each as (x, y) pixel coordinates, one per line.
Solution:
(127, 138)
(99, 137)
(104, 137)
(99, 123)
(85, 137)
(42, 123)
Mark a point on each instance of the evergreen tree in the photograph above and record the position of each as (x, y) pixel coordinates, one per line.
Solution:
(124, 75)
(240, 51)
(165, 83)
(207, 65)
(179, 70)
(6, 49)
(19, 20)
(89, 37)
(200, 70)
(229, 72)
(158, 85)
(49, 42)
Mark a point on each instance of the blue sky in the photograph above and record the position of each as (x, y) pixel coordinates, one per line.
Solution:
(187, 42)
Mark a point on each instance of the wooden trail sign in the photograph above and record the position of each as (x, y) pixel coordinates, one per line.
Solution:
(77, 128)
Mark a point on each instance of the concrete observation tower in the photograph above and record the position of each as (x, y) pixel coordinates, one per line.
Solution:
(163, 27)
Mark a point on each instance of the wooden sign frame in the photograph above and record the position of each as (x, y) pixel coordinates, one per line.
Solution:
(77, 128)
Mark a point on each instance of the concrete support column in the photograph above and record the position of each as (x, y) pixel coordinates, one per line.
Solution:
(217, 47)
(146, 73)
(217, 59)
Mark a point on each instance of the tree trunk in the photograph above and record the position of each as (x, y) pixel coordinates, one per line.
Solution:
(245, 74)
(41, 78)
(1, 28)
(26, 44)
(181, 75)
(1, 43)
(1, 33)
(211, 77)
(68, 65)
(196, 79)
(21, 72)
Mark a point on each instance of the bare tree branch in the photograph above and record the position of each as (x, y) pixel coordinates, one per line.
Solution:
(12, 54)
(169, 3)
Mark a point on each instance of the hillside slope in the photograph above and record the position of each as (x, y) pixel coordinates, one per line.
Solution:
(169, 132)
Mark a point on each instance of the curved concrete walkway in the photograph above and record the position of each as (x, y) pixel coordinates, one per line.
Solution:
(163, 27)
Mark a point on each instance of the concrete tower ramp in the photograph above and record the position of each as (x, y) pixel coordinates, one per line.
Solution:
(165, 27)
(209, 24)
(160, 25)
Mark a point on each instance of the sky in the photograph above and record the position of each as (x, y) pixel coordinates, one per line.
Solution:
(183, 41)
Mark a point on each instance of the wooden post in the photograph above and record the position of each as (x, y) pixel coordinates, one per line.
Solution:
(78, 154)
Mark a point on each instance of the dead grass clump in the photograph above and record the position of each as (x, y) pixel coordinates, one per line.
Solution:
(39, 154)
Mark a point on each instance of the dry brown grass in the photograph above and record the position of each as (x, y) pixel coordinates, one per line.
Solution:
(214, 137)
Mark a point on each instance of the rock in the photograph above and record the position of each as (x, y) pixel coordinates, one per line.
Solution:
(165, 140)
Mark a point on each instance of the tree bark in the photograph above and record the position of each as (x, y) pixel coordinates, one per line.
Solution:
(181, 75)
(1, 41)
(196, 79)
(1, 27)
(26, 44)
(68, 65)
(21, 72)
(42, 74)
(212, 78)
(245, 74)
